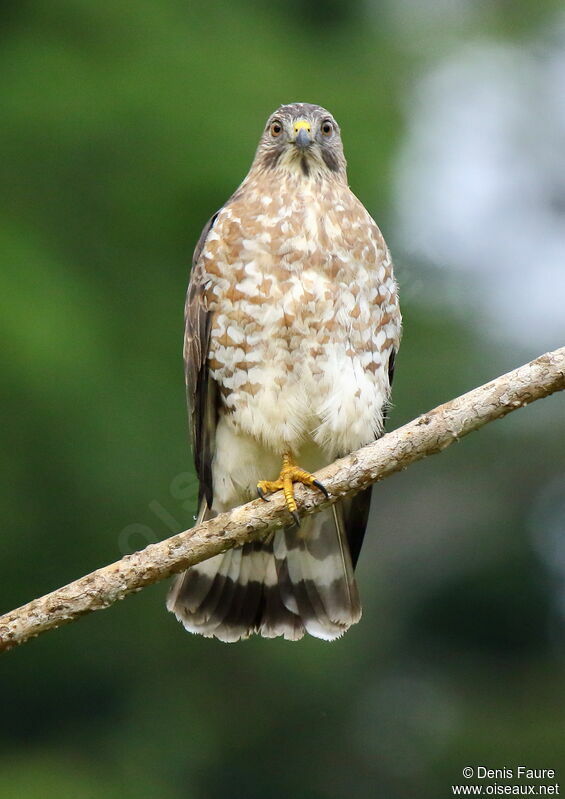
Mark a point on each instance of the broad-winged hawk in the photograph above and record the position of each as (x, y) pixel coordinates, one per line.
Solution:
(292, 326)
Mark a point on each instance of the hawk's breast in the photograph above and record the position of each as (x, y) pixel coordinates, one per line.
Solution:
(305, 315)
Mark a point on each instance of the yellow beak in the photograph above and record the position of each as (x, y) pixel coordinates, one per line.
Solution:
(303, 136)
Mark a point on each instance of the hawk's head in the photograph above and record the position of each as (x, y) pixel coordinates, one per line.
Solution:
(302, 138)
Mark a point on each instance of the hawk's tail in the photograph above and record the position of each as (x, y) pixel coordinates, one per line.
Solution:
(299, 581)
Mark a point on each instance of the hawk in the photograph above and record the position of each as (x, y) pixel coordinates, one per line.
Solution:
(292, 326)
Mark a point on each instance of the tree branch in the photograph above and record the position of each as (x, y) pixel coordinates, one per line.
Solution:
(426, 435)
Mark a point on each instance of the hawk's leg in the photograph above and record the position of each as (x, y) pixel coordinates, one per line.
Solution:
(290, 473)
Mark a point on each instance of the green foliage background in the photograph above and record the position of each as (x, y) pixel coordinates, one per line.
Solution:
(124, 126)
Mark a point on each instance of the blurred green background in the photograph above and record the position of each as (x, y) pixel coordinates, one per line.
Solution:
(124, 126)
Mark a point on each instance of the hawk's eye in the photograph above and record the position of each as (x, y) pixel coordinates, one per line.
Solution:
(276, 128)
(327, 127)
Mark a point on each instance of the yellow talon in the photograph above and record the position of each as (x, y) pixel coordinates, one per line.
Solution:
(290, 473)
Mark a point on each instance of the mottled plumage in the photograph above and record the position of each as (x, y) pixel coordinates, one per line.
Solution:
(292, 325)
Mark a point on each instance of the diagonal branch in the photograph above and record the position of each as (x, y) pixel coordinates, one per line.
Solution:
(426, 435)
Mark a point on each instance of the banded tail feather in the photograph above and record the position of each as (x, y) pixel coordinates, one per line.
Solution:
(301, 580)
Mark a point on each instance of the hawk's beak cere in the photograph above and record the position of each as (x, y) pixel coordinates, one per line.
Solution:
(302, 129)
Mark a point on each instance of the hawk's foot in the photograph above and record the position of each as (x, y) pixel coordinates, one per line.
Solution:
(290, 474)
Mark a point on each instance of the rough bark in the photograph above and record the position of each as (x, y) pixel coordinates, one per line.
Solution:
(426, 435)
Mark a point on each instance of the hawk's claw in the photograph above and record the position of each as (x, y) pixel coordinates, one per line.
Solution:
(262, 494)
(322, 488)
(296, 517)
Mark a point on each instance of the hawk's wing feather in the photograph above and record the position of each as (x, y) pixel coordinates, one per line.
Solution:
(201, 390)
(356, 509)
(355, 512)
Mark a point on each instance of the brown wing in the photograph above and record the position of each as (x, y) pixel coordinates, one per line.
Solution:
(201, 390)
